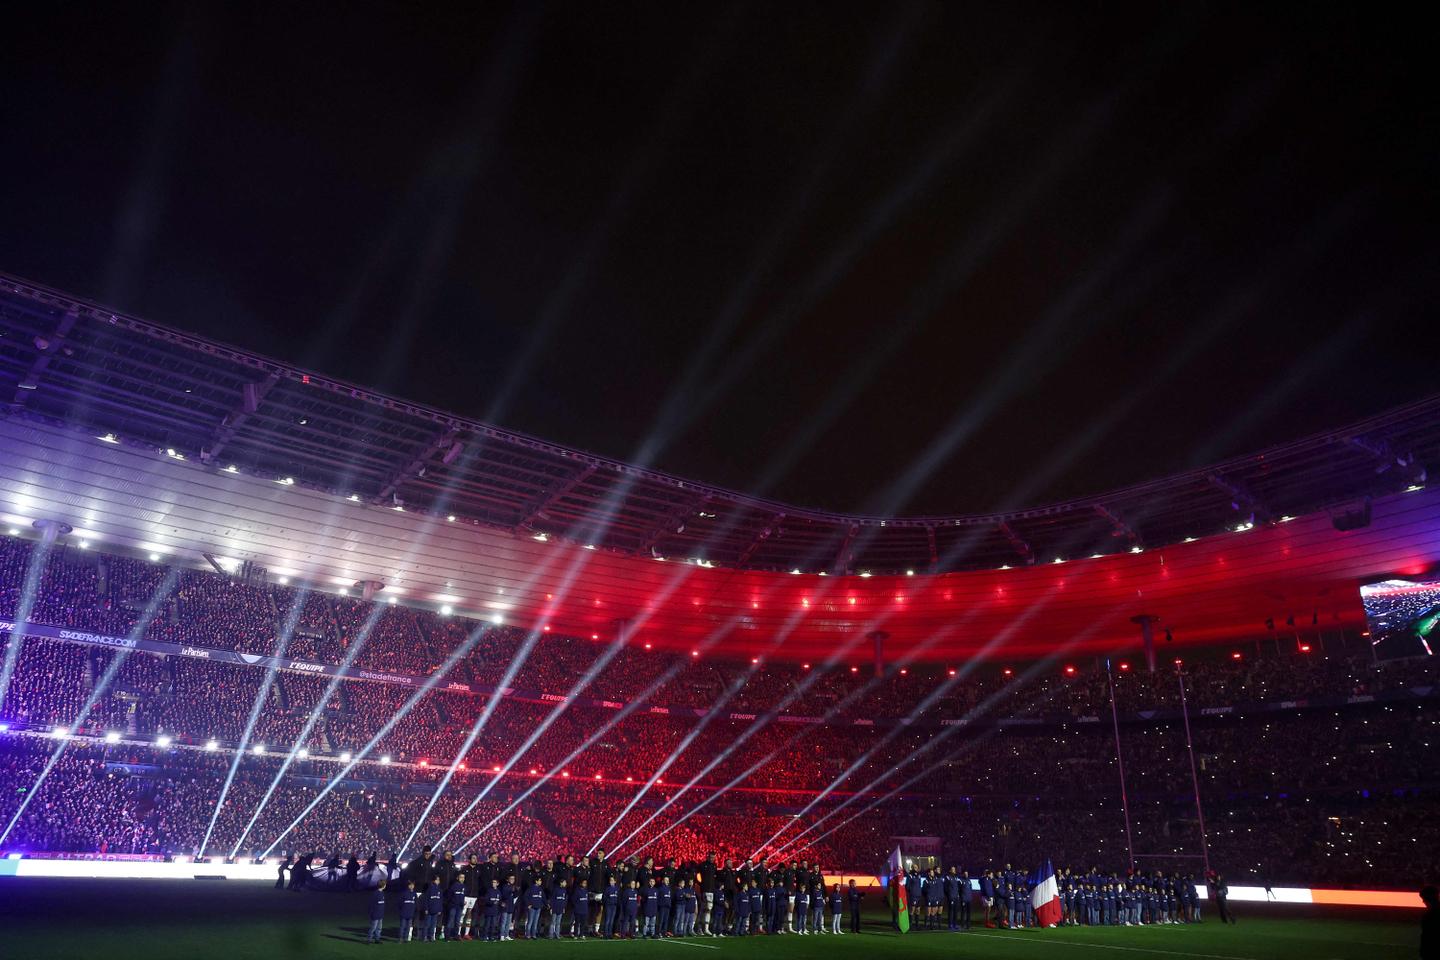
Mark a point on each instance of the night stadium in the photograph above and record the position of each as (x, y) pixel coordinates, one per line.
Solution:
(407, 614)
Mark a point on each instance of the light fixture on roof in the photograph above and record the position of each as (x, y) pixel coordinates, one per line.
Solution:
(865, 574)
(589, 546)
(541, 538)
(450, 519)
(108, 438)
(154, 558)
(286, 481)
(795, 571)
(84, 544)
(909, 573)
(1242, 527)
(392, 599)
(1059, 560)
(353, 498)
(446, 610)
(174, 454)
(1188, 540)
(232, 469)
(1415, 487)
(13, 531)
(497, 618)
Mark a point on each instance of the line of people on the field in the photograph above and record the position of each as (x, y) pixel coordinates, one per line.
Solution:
(586, 897)
(937, 898)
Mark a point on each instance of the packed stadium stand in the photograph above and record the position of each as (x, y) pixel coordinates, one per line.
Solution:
(1314, 766)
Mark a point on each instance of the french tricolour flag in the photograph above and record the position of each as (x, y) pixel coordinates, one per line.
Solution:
(1045, 896)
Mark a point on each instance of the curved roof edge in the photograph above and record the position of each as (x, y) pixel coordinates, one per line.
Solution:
(146, 384)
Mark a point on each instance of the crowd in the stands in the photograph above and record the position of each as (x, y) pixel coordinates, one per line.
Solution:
(1334, 794)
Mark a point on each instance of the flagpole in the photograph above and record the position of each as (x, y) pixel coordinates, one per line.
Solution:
(1194, 775)
(1124, 798)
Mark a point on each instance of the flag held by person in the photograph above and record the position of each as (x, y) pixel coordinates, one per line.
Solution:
(895, 891)
(1045, 896)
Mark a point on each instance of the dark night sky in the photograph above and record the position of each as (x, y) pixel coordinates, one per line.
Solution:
(929, 258)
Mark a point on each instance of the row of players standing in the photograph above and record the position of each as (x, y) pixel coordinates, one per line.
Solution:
(1095, 898)
(590, 896)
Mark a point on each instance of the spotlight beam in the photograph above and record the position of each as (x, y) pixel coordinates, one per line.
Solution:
(800, 734)
(369, 626)
(456, 655)
(794, 738)
(311, 720)
(852, 697)
(585, 680)
(449, 168)
(674, 110)
(674, 584)
(855, 695)
(679, 411)
(959, 751)
(629, 708)
(745, 735)
(786, 629)
(710, 714)
(33, 571)
(286, 632)
(979, 709)
(964, 136)
(475, 729)
(936, 694)
(1037, 350)
(121, 655)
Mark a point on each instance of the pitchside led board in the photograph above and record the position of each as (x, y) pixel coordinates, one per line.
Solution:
(1403, 616)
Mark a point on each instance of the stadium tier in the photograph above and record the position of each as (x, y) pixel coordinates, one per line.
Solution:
(1314, 767)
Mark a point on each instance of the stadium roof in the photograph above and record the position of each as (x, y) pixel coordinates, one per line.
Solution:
(83, 365)
(147, 439)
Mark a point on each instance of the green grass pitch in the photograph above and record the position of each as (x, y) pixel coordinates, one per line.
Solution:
(208, 920)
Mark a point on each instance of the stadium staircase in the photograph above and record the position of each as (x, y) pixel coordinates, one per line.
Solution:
(540, 813)
(441, 712)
